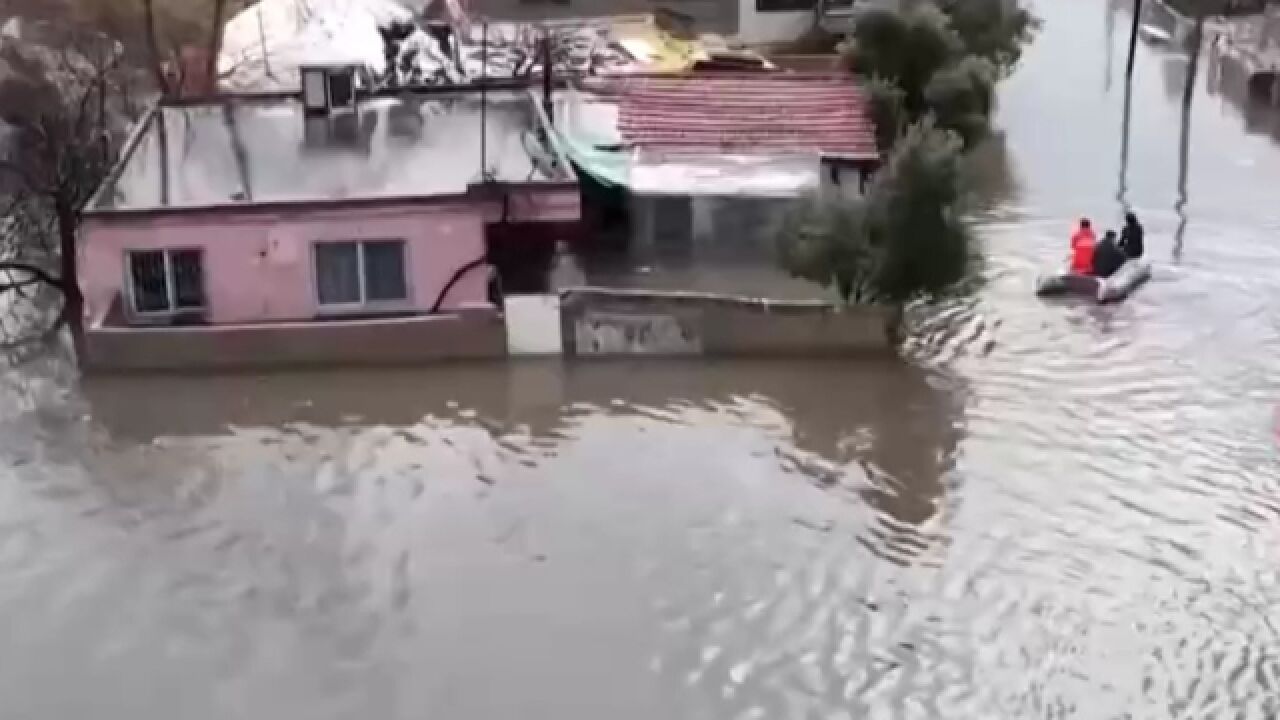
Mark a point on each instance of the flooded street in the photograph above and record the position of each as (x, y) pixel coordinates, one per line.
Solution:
(1055, 510)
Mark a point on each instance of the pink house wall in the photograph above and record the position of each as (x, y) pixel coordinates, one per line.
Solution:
(258, 266)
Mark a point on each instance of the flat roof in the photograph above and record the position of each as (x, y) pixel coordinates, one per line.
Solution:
(245, 150)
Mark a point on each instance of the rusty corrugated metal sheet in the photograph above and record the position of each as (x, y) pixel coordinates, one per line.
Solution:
(747, 114)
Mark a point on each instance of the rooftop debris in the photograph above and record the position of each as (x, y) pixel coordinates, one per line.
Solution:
(266, 44)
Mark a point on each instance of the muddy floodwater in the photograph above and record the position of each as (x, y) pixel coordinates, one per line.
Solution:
(1054, 510)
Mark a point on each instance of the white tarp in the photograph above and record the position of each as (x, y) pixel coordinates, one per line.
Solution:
(725, 175)
(263, 46)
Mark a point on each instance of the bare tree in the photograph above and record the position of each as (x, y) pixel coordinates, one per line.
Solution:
(185, 37)
(63, 111)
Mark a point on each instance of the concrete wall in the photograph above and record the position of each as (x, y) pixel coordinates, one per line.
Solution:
(259, 267)
(471, 335)
(616, 322)
(593, 323)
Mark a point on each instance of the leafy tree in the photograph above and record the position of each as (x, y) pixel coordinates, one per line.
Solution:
(945, 58)
(995, 30)
(887, 105)
(962, 96)
(926, 245)
(904, 240)
(825, 238)
(906, 47)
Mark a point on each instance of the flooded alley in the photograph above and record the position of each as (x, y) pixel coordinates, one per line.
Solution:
(1054, 510)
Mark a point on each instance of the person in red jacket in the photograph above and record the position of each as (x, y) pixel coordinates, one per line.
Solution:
(1082, 244)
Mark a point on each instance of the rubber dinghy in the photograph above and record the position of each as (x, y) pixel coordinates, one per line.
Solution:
(1124, 281)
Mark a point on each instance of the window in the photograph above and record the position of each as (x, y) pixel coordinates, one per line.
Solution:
(326, 88)
(166, 282)
(342, 89)
(783, 5)
(368, 272)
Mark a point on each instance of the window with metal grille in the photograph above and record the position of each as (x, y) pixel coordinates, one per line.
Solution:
(165, 282)
(359, 273)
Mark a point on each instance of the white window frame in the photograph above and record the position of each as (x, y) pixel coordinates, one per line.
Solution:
(322, 101)
(307, 75)
(170, 286)
(364, 304)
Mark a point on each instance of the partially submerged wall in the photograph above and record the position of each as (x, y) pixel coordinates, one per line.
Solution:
(599, 322)
(592, 323)
(471, 335)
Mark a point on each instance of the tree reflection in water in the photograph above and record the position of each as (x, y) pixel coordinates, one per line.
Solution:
(884, 431)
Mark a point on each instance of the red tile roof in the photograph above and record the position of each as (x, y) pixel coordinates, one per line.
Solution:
(755, 114)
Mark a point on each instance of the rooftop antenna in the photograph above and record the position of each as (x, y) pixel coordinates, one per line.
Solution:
(1133, 38)
(484, 101)
(546, 75)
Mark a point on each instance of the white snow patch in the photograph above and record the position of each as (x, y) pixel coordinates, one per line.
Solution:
(265, 44)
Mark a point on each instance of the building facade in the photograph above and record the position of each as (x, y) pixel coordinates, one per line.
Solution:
(253, 213)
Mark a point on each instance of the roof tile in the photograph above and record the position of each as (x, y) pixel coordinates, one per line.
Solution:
(750, 114)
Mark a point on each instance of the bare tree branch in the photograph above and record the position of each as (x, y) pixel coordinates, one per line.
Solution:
(18, 286)
(23, 176)
(214, 48)
(153, 46)
(37, 273)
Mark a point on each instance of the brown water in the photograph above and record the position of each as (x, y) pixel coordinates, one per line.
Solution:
(1055, 510)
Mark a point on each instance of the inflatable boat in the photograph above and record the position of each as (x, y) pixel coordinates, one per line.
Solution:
(1124, 281)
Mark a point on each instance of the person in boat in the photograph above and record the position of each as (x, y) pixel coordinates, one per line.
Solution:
(1082, 246)
(1107, 256)
(1131, 237)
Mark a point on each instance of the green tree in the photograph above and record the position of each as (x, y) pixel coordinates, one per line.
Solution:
(926, 246)
(886, 103)
(962, 96)
(825, 239)
(996, 30)
(905, 47)
(904, 240)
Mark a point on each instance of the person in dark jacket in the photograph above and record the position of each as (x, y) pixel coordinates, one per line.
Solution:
(1107, 257)
(1132, 236)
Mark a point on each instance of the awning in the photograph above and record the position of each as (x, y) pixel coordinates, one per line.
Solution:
(587, 126)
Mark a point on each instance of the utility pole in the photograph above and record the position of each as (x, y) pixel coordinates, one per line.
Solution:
(1133, 37)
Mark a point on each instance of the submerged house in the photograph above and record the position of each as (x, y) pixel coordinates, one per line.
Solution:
(697, 167)
(321, 227)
